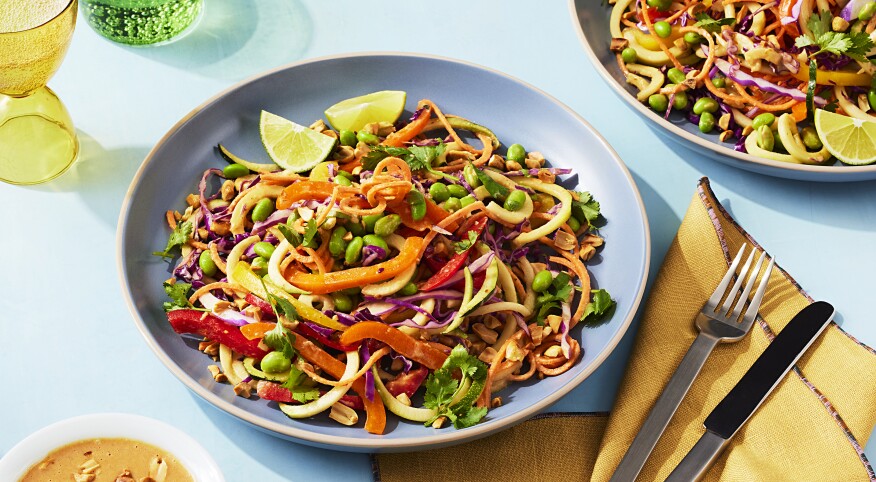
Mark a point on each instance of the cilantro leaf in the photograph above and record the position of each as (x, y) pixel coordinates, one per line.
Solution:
(600, 308)
(495, 189)
(178, 237)
(281, 339)
(559, 292)
(178, 294)
(424, 156)
(285, 306)
(471, 417)
(290, 234)
(709, 24)
(310, 232)
(586, 206)
(441, 387)
(861, 44)
(465, 244)
(379, 153)
(304, 395)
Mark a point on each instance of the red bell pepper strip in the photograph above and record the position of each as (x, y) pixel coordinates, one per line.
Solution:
(407, 383)
(416, 350)
(456, 262)
(260, 304)
(201, 323)
(278, 393)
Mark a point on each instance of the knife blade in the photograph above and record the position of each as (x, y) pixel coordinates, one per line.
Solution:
(768, 370)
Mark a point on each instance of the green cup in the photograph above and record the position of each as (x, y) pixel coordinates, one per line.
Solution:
(142, 22)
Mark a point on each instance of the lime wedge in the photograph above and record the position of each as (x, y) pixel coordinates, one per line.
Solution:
(293, 146)
(851, 140)
(353, 114)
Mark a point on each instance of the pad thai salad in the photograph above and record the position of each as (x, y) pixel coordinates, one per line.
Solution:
(385, 265)
(785, 80)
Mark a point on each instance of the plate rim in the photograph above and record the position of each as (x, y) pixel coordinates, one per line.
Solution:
(368, 444)
(719, 149)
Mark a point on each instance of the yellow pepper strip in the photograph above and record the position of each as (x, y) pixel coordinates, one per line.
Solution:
(338, 280)
(245, 277)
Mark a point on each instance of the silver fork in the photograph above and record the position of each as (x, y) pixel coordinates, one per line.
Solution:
(716, 324)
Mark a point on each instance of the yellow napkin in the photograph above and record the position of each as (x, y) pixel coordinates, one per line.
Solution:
(813, 427)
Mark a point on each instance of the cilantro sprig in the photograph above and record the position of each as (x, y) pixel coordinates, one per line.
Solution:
(441, 387)
(296, 383)
(178, 237)
(559, 292)
(417, 157)
(851, 44)
(709, 24)
(465, 244)
(586, 206)
(600, 308)
(178, 294)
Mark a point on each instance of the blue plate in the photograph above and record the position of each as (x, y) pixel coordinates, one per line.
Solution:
(515, 111)
(591, 19)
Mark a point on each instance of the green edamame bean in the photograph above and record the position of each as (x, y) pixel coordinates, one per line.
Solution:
(233, 171)
(765, 119)
(451, 205)
(658, 102)
(867, 12)
(418, 204)
(675, 75)
(375, 240)
(471, 177)
(871, 98)
(438, 192)
(765, 138)
(629, 55)
(542, 281)
(343, 180)
(408, 290)
(516, 153)
(275, 362)
(367, 138)
(466, 201)
(705, 104)
(356, 229)
(262, 209)
(810, 138)
(662, 29)
(343, 303)
(348, 138)
(263, 249)
(573, 223)
(707, 122)
(370, 221)
(260, 266)
(352, 291)
(693, 38)
(680, 101)
(515, 201)
(719, 81)
(456, 191)
(387, 225)
(208, 266)
(354, 250)
(660, 4)
(337, 245)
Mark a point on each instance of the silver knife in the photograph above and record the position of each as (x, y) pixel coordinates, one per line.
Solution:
(767, 371)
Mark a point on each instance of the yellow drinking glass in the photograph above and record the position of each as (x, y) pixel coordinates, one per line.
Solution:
(37, 139)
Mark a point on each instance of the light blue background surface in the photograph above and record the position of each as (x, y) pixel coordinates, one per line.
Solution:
(67, 339)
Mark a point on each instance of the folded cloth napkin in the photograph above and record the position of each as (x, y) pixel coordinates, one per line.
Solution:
(813, 427)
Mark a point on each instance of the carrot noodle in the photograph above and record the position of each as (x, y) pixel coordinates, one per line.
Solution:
(426, 243)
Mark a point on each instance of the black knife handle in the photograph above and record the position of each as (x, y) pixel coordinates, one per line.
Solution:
(769, 369)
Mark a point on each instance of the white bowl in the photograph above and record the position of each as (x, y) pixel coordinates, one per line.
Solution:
(35, 447)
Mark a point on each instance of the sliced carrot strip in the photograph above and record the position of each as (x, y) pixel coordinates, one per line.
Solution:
(416, 350)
